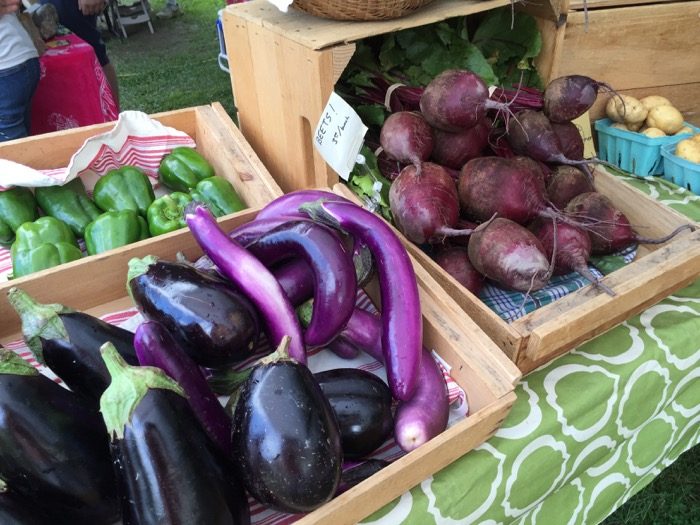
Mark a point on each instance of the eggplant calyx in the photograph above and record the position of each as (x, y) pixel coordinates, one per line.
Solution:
(38, 320)
(226, 382)
(128, 387)
(280, 354)
(11, 363)
(3, 486)
(138, 267)
(304, 312)
(317, 212)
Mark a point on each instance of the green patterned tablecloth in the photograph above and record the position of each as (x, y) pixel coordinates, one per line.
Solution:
(589, 430)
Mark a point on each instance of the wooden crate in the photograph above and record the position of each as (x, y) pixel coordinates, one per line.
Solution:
(217, 138)
(554, 329)
(638, 49)
(284, 67)
(97, 285)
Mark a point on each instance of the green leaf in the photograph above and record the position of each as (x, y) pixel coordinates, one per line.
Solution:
(371, 114)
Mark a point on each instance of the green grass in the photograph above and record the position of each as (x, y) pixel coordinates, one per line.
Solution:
(177, 68)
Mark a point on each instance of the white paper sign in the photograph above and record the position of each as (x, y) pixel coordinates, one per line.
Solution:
(339, 135)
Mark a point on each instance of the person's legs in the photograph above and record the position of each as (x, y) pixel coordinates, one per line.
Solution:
(171, 9)
(111, 76)
(17, 85)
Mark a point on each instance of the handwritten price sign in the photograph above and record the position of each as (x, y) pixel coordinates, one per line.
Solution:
(339, 135)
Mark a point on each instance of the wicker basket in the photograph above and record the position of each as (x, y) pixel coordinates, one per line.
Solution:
(359, 9)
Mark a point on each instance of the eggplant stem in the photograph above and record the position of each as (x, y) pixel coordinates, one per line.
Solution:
(280, 354)
(11, 363)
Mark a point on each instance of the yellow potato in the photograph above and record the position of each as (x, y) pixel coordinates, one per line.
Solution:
(635, 126)
(653, 132)
(689, 150)
(685, 130)
(619, 125)
(695, 138)
(667, 118)
(654, 100)
(624, 108)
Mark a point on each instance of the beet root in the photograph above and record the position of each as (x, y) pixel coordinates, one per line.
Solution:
(569, 97)
(509, 254)
(570, 139)
(455, 261)
(610, 229)
(565, 182)
(453, 150)
(407, 137)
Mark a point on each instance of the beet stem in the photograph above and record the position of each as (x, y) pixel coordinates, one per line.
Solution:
(661, 240)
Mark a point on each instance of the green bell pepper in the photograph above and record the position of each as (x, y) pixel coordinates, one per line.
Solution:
(113, 229)
(126, 188)
(167, 213)
(219, 196)
(69, 203)
(17, 206)
(42, 244)
(183, 168)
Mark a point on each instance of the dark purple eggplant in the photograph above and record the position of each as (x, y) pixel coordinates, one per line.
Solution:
(155, 346)
(251, 276)
(361, 402)
(425, 415)
(215, 324)
(288, 204)
(296, 279)
(53, 447)
(351, 476)
(285, 437)
(167, 470)
(343, 348)
(332, 267)
(68, 342)
(15, 510)
(402, 324)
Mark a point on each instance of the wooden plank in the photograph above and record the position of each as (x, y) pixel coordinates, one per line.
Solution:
(634, 47)
(579, 5)
(319, 33)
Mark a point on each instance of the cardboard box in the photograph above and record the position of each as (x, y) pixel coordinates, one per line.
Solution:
(97, 285)
(657, 271)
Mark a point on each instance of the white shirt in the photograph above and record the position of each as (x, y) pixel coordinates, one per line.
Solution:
(16, 46)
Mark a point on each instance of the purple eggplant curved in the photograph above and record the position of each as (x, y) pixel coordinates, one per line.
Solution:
(402, 323)
(251, 276)
(167, 469)
(54, 451)
(215, 324)
(155, 346)
(68, 342)
(296, 279)
(288, 204)
(333, 272)
(425, 415)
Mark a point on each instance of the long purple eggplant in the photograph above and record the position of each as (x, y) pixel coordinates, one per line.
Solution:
(167, 469)
(288, 204)
(251, 276)
(402, 331)
(425, 415)
(215, 323)
(296, 279)
(250, 231)
(54, 447)
(155, 346)
(68, 342)
(333, 273)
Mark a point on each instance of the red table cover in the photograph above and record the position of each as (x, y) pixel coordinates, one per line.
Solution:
(72, 90)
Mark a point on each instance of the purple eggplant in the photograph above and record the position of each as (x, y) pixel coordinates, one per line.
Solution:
(343, 348)
(215, 324)
(251, 276)
(402, 324)
(425, 415)
(288, 204)
(54, 448)
(15, 510)
(155, 346)
(285, 437)
(68, 342)
(167, 470)
(333, 273)
(296, 279)
(361, 402)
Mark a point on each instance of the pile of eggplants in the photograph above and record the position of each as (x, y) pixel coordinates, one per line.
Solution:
(165, 449)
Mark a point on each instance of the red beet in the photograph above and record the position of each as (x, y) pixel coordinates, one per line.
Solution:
(453, 150)
(569, 97)
(570, 139)
(455, 261)
(565, 183)
(407, 137)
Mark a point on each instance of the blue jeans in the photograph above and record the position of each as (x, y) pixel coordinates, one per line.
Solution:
(17, 85)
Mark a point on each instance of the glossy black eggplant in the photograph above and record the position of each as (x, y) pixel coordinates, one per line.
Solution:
(167, 469)
(15, 510)
(68, 342)
(355, 474)
(285, 439)
(216, 325)
(53, 447)
(333, 273)
(362, 405)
